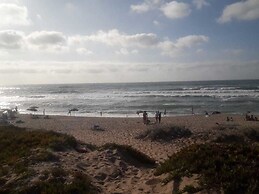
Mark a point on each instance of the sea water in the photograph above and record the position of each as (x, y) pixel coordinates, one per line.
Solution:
(125, 99)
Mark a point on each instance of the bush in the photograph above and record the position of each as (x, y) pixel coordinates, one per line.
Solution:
(81, 184)
(230, 139)
(252, 134)
(131, 155)
(231, 167)
(165, 133)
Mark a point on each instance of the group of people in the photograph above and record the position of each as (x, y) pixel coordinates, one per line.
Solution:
(158, 116)
(251, 118)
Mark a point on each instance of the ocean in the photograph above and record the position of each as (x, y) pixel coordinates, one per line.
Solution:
(125, 99)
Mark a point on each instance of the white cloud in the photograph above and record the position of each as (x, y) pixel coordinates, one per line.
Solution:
(146, 6)
(172, 9)
(189, 41)
(10, 39)
(141, 8)
(51, 40)
(13, 15)
(115, 38)
(123, 44)
(124, 51)
(156, 23)
(244, 10)
(175, 10)
(199, 4)
(84, 51)
(172, 49)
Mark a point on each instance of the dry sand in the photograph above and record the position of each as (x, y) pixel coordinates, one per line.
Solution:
(125, 130)
(107, 169)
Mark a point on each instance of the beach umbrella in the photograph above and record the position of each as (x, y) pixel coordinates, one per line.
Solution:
(33, 109)
(139, 111)
(73, 109)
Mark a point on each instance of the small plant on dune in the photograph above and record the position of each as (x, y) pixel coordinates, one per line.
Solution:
(191, 189)
(165, 133)
(43, 156)
(231, 167)
(130, 153)
(20, 149)
(252, 134)
(231, 138)
(80, 184)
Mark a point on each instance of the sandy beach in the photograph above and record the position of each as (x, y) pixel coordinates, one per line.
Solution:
(107, 168)
(124, 131)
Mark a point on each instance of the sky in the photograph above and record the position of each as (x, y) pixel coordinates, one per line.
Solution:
(96, 41)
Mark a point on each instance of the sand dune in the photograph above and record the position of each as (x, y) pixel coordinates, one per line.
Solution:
(108, 169)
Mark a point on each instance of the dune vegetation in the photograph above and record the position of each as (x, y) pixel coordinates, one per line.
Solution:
(232, 168)
(21, 150)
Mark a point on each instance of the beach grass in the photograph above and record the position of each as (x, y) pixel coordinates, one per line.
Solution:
(165, 133)
(232, 168)
(21, 149)
(131, 155)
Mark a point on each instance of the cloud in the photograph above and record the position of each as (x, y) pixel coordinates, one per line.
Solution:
(124, 51)
(146, 6)
(199, 4)
(140, 8)
(13, 15)
(156, 23)
(171, 49)
(116, 38)
(10, 39)
(122, 43)
(84, 51)
(172, 10)
(189, 41)
(244, 11)
(176, 10)
(47, 40)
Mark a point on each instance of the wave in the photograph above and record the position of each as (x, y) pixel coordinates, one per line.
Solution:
(36, 96)
(65, 92)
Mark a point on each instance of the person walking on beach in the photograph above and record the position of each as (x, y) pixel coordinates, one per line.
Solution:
(145, 117)
(156, 116)
(159, 117)
(165, 112)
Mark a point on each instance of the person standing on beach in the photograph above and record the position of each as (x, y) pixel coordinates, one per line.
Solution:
(159, 117)
(156, 116)
(165, 112)
(145, 117)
